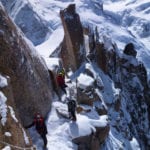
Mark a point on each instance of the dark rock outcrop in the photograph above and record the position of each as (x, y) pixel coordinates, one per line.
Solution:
(92, 141)
(134, 81)
(129, 75)
(106, 59)
(31, 84)
(72, 51)
(102, 51)
(129, 50)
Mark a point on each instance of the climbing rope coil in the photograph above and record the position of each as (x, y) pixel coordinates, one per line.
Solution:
(17, 147)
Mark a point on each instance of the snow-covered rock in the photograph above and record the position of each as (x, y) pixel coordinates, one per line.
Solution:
(3, 108)
(3, 81)
(11, 133)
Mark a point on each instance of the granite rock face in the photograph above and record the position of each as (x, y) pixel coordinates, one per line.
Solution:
(31, 84)
(72, 51)
(92, 141)
(11, 130)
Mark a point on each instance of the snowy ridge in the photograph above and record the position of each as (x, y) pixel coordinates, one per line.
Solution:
(118, 22)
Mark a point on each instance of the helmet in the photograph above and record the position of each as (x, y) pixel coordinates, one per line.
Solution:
(37, 115)
(60, 73)
(61, 70)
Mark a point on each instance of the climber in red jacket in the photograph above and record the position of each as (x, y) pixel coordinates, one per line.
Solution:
(40, 127)
(61, 81)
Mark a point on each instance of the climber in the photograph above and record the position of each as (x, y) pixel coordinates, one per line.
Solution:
(72, 109)
(40, 127)
(61, 70)
(61, 80)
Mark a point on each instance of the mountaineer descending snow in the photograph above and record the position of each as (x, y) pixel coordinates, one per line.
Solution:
(39, 123)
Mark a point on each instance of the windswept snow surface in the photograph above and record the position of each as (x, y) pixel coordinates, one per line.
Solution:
(85, 81)
(62, 131)
(52, 63)
(7, 148)
(46, 48)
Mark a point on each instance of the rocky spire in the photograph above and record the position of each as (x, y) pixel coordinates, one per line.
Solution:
(72, 51)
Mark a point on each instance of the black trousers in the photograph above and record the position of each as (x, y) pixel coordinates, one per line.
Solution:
(73, 115)
(44, 139)
(63, 88)
(43, 133)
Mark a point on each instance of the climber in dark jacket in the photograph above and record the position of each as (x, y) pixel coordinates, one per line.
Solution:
(40, 127)
(61, 81)
(72, 109)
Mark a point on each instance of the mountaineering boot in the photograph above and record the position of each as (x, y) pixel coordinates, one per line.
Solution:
(73, 119)
(45, 148)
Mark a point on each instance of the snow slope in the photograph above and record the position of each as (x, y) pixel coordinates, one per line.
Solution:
(62, 140)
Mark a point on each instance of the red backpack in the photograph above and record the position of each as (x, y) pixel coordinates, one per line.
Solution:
(39, 123)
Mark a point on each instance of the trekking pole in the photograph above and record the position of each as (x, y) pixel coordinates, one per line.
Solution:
(70, 93)
(76, 90)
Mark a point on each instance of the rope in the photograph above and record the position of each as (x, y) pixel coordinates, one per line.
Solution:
(30, 148)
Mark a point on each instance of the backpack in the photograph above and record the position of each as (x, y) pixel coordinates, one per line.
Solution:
(71, 105)
(39, 123)
(60, 80)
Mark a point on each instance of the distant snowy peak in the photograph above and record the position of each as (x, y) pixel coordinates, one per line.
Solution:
(122, 21)
(27, 18)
